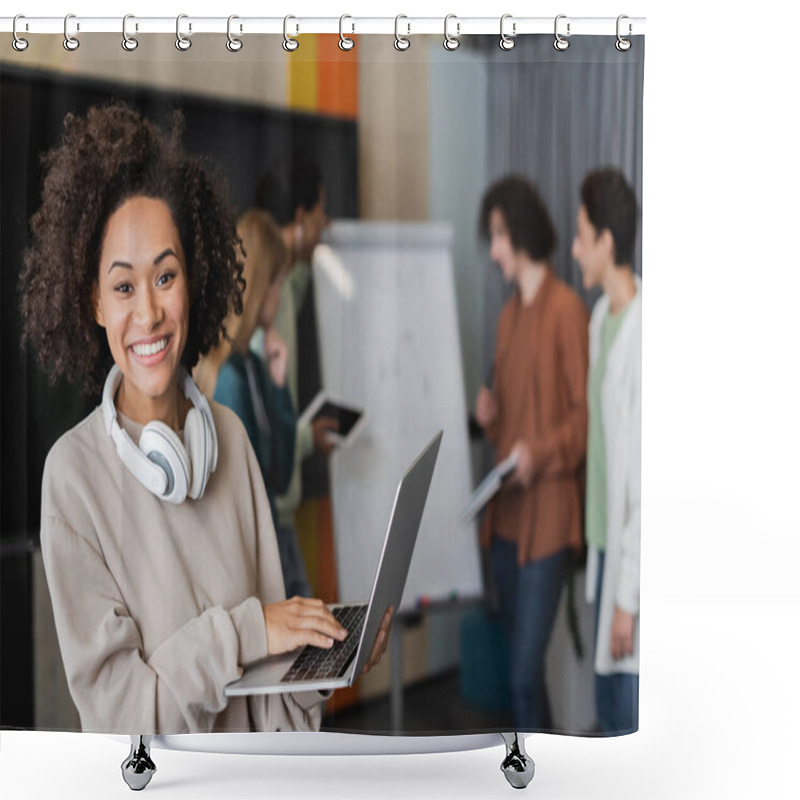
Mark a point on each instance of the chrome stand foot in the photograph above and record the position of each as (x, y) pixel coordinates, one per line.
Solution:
(518, 766)
(138, 768)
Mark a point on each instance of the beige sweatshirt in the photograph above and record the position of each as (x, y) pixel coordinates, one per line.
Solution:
(158, 606)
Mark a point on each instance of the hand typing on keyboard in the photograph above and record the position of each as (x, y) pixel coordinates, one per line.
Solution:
(315, 663)
(300, 621)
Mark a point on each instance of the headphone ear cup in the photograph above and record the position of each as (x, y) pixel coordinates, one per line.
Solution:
(163, 447)
(199, 450)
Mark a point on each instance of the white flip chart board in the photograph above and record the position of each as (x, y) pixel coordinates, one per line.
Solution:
(388, 337)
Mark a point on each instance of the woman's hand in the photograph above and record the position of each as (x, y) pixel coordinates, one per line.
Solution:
(300, 621)
(381, 641)
(622, 634)
(485, 408)
(523, 474)
(276, 352)
(320, 428)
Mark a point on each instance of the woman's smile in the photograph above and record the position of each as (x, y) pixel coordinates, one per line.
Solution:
(151, 352)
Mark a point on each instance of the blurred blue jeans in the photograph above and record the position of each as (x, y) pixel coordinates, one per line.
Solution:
(528, 598)
(616, 695)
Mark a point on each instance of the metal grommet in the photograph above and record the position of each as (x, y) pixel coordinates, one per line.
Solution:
(507, 42)
(290, 44)
(345, 42)
(561, 43)
(451, 42)
(70, 42)
(401, 43)
(623, 45)
(129, 43)
(233, 44)
(19, 44)
(181, 42)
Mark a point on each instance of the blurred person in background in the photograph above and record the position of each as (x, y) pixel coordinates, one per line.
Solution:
(294, 195)
(536, 411)
(254, 388)
(603, 247)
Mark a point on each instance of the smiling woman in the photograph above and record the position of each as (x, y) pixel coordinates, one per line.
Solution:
(158, 543)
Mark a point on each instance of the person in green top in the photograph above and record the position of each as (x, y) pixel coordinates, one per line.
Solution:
(603, 247)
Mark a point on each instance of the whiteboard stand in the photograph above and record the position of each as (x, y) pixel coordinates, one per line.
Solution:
(399, 624)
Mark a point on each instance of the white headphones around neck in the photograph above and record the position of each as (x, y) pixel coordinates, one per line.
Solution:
(161, 462)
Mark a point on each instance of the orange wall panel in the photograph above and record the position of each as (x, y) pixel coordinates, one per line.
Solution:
(337, 83)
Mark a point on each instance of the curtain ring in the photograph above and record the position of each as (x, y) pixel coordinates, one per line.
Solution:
(451, 42)
(19, 44)
(345, 42)
(561, 43)
(70, 42)
(233, 44)
(401, 43)
(507, 42)
(290, 44)
(129, 43)
(623, 45)
(181, 42)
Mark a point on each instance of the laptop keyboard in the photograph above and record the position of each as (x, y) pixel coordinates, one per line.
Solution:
(317, 663)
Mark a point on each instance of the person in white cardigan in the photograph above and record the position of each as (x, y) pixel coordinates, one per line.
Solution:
(603, 246)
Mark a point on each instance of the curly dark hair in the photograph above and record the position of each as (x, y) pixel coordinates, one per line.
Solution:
(525, 214)
(105, 158)
(610, 203)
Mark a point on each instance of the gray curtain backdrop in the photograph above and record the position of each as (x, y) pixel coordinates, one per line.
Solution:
(575, 111)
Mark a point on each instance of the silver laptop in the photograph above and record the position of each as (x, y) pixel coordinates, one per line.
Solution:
(317, 668)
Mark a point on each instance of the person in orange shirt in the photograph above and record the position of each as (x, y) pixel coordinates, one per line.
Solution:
(536, 410)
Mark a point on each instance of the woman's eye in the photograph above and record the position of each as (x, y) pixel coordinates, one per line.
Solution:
(165, 278)
(123, 288)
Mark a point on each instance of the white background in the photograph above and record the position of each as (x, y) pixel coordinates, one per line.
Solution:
(720, 704)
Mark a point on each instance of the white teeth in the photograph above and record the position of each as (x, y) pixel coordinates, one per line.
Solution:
(150, 349)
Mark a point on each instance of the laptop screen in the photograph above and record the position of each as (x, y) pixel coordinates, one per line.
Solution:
(398, 547)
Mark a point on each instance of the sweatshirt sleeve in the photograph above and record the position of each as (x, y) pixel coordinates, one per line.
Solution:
(180, 688)
(563, 449)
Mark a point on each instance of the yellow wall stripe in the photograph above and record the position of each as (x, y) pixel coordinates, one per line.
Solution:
(302, 74)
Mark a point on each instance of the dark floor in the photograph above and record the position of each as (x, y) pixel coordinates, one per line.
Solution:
(431, 707)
